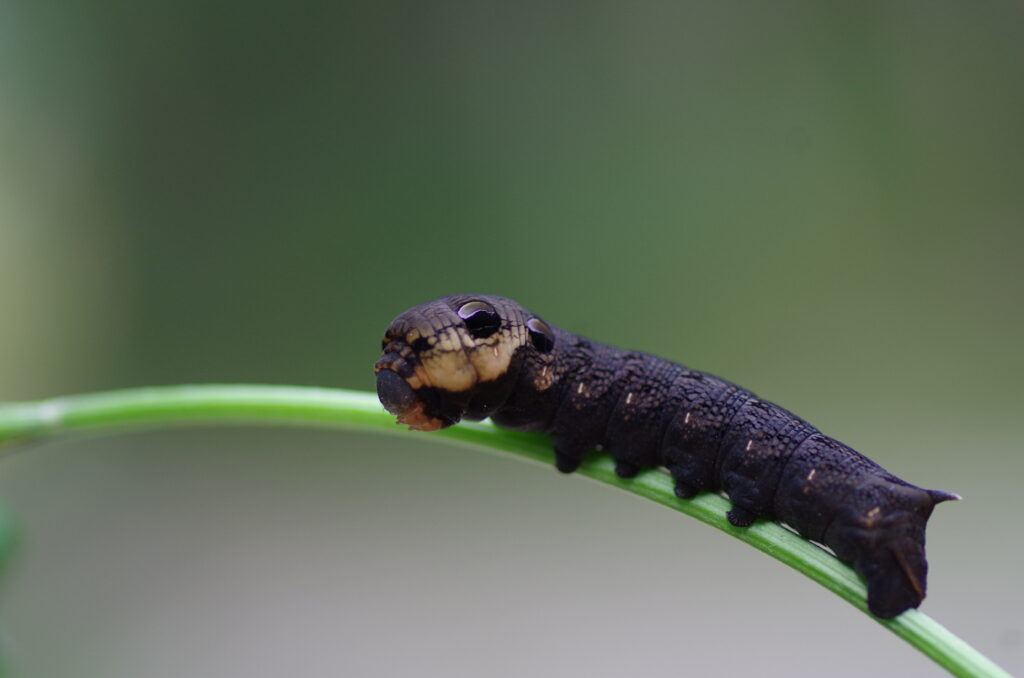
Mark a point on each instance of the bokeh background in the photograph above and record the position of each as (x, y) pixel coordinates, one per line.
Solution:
(821, 201)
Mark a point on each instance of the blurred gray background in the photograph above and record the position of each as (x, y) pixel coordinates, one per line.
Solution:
(821, 201)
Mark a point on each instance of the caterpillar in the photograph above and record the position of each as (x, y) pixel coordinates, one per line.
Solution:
(476, 356)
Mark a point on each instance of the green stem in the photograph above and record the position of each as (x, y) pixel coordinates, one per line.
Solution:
(360, 411)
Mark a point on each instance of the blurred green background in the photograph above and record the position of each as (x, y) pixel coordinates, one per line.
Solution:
(821, 201)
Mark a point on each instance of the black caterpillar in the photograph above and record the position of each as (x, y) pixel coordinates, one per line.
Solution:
(477, 356)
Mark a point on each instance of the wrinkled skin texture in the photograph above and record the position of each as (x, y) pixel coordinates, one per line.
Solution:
(476, 356)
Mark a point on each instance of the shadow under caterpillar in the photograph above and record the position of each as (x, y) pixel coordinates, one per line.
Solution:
(477, 356)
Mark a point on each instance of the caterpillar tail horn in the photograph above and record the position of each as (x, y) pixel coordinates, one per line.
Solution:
(939, 496)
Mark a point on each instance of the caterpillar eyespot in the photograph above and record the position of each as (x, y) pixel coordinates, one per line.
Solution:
(541, 336)
(480, 318)
(477, 356)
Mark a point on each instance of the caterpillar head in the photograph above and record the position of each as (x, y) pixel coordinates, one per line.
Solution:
(456, 357)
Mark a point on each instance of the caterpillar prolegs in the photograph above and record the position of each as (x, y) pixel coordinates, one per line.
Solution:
(477, 356)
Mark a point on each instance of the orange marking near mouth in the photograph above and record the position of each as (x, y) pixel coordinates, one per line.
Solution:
(417, 419)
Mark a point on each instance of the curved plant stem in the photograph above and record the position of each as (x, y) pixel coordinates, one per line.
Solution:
(352, 410)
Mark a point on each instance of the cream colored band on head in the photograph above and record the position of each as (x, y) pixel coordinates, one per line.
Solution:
(456, 361)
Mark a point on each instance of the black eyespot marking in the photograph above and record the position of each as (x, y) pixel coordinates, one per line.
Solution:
(481, 319)
(541, 336)
(709, 434)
